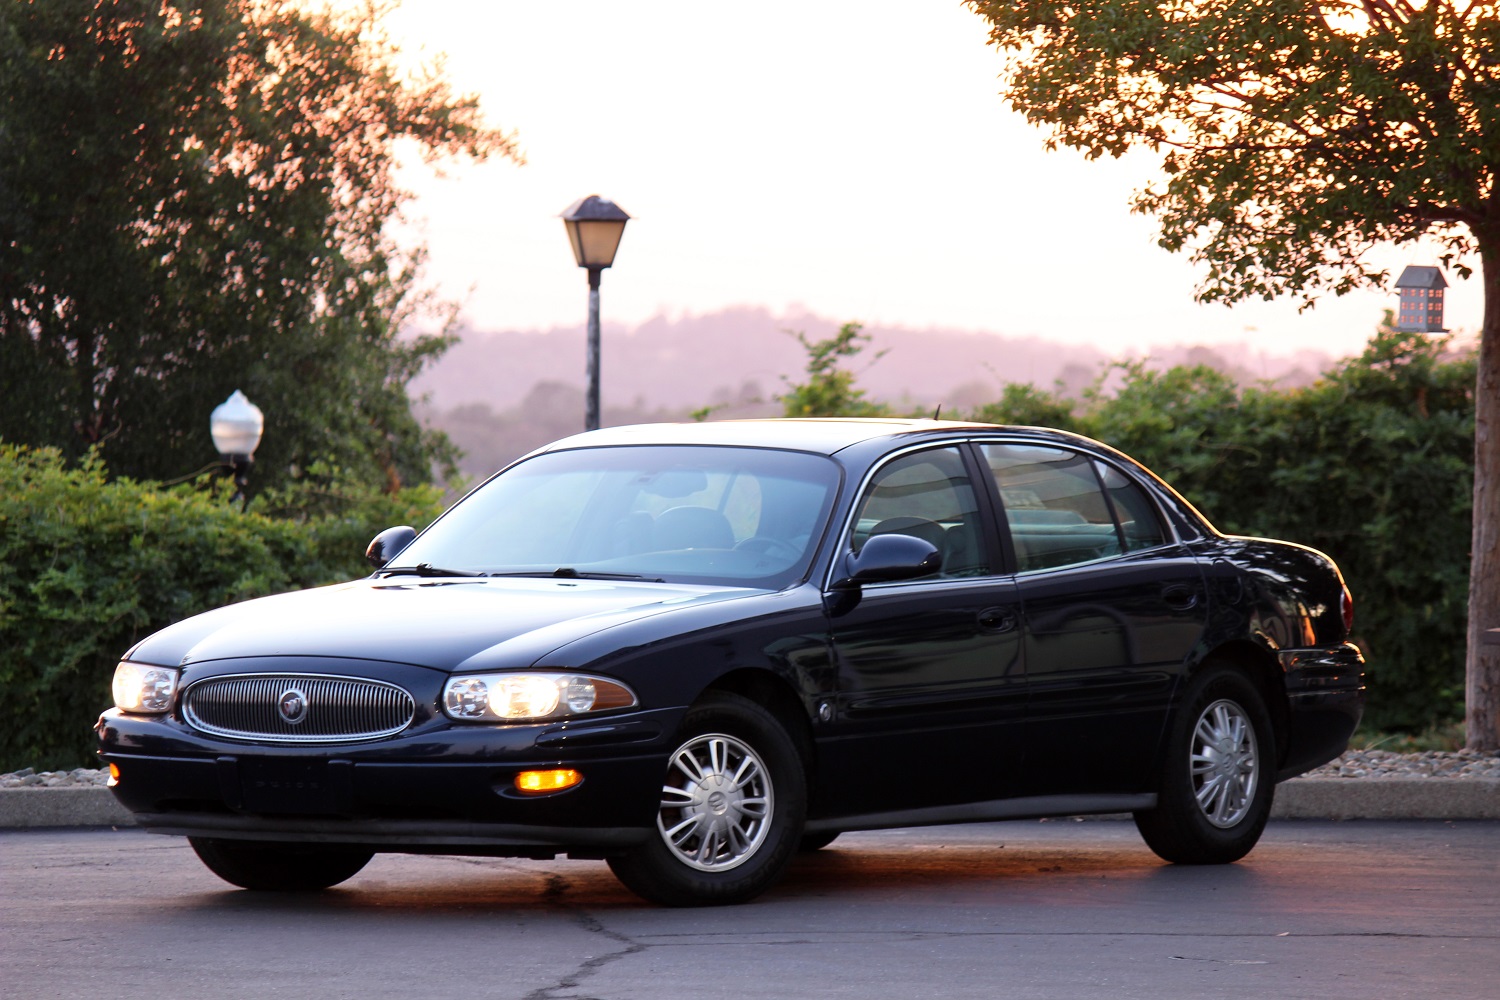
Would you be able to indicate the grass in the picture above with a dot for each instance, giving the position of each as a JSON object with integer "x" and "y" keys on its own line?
{"x": 1438, "y": 736}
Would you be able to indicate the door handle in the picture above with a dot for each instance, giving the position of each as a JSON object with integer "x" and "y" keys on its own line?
{"x": 997, "y": 620}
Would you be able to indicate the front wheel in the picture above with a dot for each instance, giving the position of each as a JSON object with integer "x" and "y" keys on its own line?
{"x": 276, "y": 867}
{"x": 730, "y": 813}
{"x": 1217, "y": 783}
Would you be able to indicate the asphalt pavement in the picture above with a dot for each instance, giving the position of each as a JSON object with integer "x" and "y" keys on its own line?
{"x": 1363, "y": 910}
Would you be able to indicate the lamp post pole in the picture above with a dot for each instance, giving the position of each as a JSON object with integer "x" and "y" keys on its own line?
{"x": 595, "y": 226}
{"x": 591, "y": 406}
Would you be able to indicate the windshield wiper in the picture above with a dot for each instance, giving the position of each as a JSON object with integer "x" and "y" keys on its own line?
{"x": 569, "y": 573}
{"x": 425, "y": 569}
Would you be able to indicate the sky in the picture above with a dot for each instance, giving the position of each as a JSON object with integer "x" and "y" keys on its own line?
{"x": 853, "y": 158}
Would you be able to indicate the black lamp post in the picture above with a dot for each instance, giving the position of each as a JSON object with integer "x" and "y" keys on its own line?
{"x": 595, "y": 226}
{"x": 236, "y": 425}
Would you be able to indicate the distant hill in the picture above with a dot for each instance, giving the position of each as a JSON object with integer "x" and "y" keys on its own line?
{"x": 500, "y": 394}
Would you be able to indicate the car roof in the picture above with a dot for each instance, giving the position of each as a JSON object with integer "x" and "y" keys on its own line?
{"x": 831, "y": 435}
{"x": 821, "y": 435}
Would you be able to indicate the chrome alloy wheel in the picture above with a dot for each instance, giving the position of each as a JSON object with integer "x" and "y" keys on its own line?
{"x": 1224, "y": 763}
{"x": 716, "y": 804}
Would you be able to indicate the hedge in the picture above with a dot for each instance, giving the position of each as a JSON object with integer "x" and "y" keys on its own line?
{"x": 1373, "y": 465}
{"x": 88, "y": 566}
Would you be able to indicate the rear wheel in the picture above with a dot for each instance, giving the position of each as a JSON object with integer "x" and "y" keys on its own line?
{"x": 730, "y": 814}
{"x": 278, "y": 867}
{"x": 1217, "y": 783}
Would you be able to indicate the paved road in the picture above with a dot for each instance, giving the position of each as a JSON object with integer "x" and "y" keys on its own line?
{"x": 1364, "y": 910}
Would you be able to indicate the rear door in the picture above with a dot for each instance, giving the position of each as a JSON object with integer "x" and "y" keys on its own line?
{"x": 1113, "y": 607}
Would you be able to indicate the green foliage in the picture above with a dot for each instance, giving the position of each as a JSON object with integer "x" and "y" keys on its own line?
{"x": 1293, "y": 135}
{"x": 829, "y": 390}
{"x": 195, "y": 197}
{"x": 1442, "y": 737}
{"x": 89, "y": 566}
{"x": 1023, "y": 404}
{"x": 1373, "y": 465}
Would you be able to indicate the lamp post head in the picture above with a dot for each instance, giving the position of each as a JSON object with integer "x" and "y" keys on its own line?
{"x": 236, "y": 425}
{"x": 595, "y": 226}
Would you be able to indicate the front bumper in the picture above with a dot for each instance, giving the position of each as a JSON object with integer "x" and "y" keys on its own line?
{"x": 449, "y": 789}
{"x": 1325, "y": 699}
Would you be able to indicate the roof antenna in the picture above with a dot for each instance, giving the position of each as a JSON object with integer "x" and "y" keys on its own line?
{"x": 938, "y": 413}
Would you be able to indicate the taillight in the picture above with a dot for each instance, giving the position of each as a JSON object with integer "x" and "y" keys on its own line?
{"x": 1346, "y": 608}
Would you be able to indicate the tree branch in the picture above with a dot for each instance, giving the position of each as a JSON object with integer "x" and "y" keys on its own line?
{"x": 1381, "y": 14}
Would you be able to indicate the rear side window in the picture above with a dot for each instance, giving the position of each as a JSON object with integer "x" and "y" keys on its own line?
{"x": 1064, "y": 508}
{"x": 1140, "y": 525}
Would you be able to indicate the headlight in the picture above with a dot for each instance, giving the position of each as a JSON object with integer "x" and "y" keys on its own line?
{"x": 144, "y": 689}
{"x": 527, "y": 697}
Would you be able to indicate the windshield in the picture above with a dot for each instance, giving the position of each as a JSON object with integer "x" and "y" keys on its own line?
{"x": 735, "y": 516}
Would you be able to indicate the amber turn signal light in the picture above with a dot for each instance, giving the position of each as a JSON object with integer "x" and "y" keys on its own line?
{"x": 541, "y": 782}
{"x": 114, "y": 775}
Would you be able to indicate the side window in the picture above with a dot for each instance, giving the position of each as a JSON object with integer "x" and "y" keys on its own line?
{"x": 1055, "y": 505}
{"x": 927, "y": 495}
{"x": 1140, "y": 525}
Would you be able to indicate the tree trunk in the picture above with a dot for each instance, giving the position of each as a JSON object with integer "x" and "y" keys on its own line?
{"x": 1482, "y": 689}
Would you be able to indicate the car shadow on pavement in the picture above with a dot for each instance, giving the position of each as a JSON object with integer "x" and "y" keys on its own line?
{"x": 463, "y": 885}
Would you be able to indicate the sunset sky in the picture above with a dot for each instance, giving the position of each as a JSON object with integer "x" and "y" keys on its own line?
{"x": 852, "y": 158}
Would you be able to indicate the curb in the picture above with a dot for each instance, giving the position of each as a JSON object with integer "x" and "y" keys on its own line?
{"x": 1300, "y": 798}
{"x": 1387, "y": 798}
{"x": 38, "y": 807}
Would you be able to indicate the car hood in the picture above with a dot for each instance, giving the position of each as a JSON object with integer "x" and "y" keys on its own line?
{"x": 432, "y": 623}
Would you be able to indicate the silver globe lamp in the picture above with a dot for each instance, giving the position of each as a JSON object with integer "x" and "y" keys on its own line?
{"x": 236, "y": 425}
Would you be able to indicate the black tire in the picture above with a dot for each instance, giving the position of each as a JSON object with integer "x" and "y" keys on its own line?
{"x": 278, "y": 867}
{"x": 1218, "y": 778}
{"x": 816, "y": 841}
{"x": 730, "y": 820}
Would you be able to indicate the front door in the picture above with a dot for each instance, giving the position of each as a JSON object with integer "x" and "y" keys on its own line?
{"x": 931, "y": 690}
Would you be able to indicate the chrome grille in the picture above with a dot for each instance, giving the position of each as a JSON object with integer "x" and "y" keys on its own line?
{"x": 334, "y": 709}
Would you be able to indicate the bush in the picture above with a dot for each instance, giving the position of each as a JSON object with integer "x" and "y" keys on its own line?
{"x": 1373, "y": 465}
{"x": 89, "y": 566}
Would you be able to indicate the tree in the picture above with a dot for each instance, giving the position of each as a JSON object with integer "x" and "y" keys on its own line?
{"x": 1297, "y": 464}
{"x": 829, "y": 390}
{"x": 1023, "y": 403}
{"x": 195, "y": 198}
{"x": 1295, "y": 136}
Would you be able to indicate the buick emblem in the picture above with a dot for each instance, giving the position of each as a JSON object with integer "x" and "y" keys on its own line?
{"x": 292, "y": 706}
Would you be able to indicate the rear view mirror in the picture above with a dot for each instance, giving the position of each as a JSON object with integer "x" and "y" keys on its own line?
{"x": 886, "y": 558}
{"x": 674, "y": 484}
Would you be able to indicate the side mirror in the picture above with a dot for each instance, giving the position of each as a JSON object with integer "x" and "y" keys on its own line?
{"x": 388, "y": 544}
{"x": 885, "y": 558}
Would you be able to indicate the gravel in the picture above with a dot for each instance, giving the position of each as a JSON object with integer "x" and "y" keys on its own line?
{"x": 1368, "y": 764}
{"x": 1380, "y": 764}
{"x": 80, "y": 777}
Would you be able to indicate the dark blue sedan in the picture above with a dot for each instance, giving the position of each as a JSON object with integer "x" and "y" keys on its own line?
{"x": 693, "y": 650}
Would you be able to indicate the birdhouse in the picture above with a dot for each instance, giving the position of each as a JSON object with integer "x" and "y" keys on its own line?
{"x": 1421, "y": 299}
